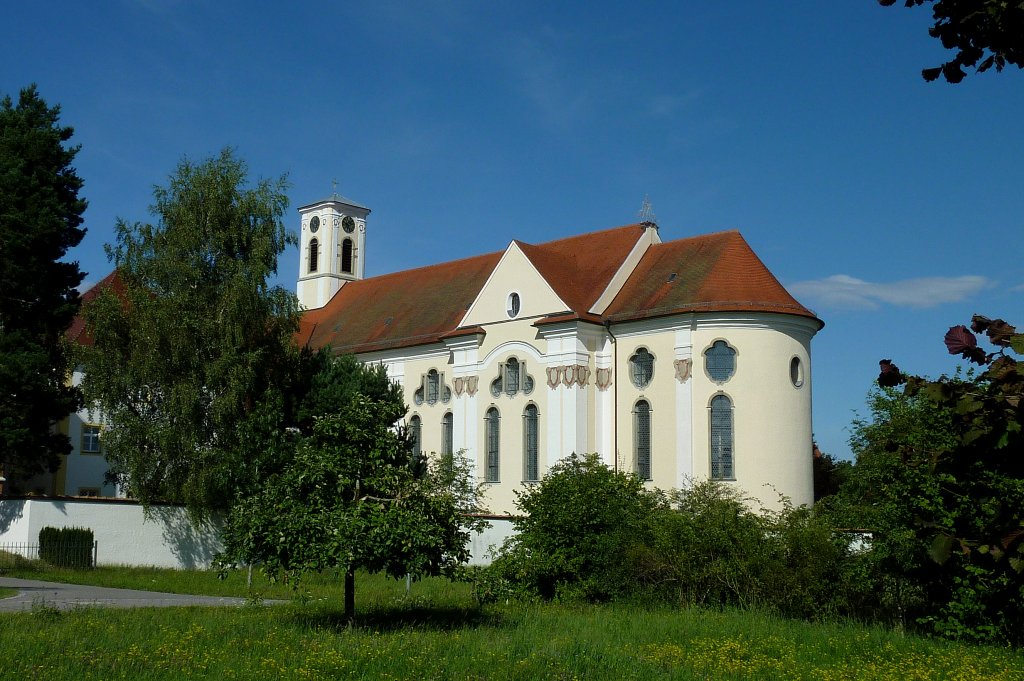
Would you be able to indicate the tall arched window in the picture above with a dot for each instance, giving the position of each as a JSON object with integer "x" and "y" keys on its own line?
{"x": 512, "y": 376}
{"x": 447, "y": 433}
{"x": 531, "y": 441}
{"x": 493, "y": 432}
{"x": 346, "y": 256}
{"x": 433, "y": 386}
{"x": 416, "y": 435}
{"x": 314, "y": 255}
{"x": 642, "y": 438}
{"x": 721, "y": 439}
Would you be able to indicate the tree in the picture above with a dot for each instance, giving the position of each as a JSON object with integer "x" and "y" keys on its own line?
{"x": 191, "y": 361}
{"x": 354, "y": 497}
{"x": 957, "y": 479}
{"x": 989, "y": 31}
{"x": 40, "y": 219}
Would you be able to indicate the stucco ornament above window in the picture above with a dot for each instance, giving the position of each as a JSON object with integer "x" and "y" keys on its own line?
{"x": 683, "y": 369}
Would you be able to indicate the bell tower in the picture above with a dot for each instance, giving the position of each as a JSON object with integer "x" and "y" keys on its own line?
{"x": 331, "y": 246}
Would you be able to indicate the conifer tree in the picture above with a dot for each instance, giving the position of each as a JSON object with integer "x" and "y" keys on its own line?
{"x": 40, "y": 219}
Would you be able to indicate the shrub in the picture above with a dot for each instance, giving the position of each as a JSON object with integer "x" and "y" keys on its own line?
{"x": 580, "y": 522}
{"x": 66, "y": 546}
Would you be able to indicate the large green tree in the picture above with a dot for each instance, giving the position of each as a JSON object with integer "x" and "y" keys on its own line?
{"x": 193, "y": 356}
{"x": 940, "y": 477}
{"x": 353, "y": 496}
{"x": 984, "y": 33}
{"x": 40, "y": 219}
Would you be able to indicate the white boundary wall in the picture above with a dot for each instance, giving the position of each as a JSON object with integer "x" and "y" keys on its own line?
{"x": 125, "y": 536}
{"x": 166, "y": 538}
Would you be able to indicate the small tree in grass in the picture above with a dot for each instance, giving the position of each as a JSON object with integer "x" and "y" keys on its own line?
{"x": 353, "y": 497}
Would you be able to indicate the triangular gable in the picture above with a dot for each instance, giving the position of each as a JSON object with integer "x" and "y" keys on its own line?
{"x": 580, "y": 268}
{"x": 514, "y": 273}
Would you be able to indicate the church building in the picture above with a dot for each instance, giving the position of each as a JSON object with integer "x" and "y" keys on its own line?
{"x": 679, "y": 361}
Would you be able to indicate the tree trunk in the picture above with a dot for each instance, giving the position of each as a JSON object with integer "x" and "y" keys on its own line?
{"x": 350, "y": 594}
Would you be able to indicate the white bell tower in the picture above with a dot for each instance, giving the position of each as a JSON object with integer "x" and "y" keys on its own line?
{"x": 331, "y": 247}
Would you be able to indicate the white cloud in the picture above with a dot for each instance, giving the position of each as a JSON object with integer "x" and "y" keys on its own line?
{"x": 844, "y": 291}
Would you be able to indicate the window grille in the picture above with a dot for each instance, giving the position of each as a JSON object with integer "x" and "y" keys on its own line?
{"x": 512, "y": 308}
{"x": 721, "y": 438}
{"x": 446, "y": 394}
{"x": 346, "y": 256}
{"x": 314, "y": 255}
{"x": 417, "y": 396}
{"x": 528, "y": 384}
{"x": 720, "y": 361}
{"x": 496, "y": 387}
{"x": 512, "y": 376}
{"x": 493, "y": 445}
{"x": 641, "y": 368}
{"x": 433, "y": 386}
{"x": 416, "y": 434}
{"x": 447, "y": 433}
{"x": 530, "y": 443}
{"x": 642, "y": 438}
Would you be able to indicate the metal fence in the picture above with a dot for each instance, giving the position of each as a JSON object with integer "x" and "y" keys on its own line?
{"x": 60, "y": 553}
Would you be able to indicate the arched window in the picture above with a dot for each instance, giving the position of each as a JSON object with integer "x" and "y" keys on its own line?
{"x": 641, "y": 368}
{"x": 346, "y": 256}
{"x": 433, "y": 386}
{"x": 314, "y": 255}
{"x": 721, "y": 439}
{"x": 720, "y": 361}
{"x": 512, "y": 379}
{"x": 642, "y": 438}
{"x": 447, "y": 433}
{"x": 493, "y": 433}
{"x": 531, "y": 441}
{"x": 416, "y": 435}
{"x": 512, "y": 376}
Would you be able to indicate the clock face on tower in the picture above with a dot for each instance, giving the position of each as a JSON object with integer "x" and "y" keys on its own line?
{"x": 314, "y": 224}
{"x": 348, "y": 224}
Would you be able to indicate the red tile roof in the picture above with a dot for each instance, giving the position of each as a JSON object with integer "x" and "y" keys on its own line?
{"x": 580, "y": 267}
{"x": 401, "y": 309}
{"x": 711, "y": 273}
{"x": 76, "y": 332}
{"x": 425, "y": 305}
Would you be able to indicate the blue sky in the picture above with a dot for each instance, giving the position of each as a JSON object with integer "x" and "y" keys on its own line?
{"x": 890, "y": 206}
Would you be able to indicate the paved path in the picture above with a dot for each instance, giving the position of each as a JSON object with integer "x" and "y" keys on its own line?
{"x": 67, "y": 596}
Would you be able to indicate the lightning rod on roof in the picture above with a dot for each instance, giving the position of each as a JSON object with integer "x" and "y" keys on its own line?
{"x": 334, "y": 188}
{"x": 646, "y": 214}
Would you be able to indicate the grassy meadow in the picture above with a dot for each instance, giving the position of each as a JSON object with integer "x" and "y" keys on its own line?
{"x": 437, "y": 631}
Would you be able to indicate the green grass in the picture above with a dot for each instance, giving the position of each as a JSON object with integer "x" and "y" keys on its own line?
{"x": 438, "y": 632}
{"x": 4, "y": 593}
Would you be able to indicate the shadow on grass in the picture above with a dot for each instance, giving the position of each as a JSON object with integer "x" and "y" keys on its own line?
{"x": 400, "y": 616}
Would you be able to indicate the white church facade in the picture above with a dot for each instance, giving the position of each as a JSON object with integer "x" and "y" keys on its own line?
{"x": 678, "y": 361}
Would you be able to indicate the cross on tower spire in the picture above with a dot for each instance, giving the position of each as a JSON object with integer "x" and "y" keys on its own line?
{"x": 646, "y": 214}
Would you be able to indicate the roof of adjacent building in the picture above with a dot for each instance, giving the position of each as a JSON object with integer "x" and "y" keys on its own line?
{"x": 711, "y": 273}
{"x": 76, "y": 333}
